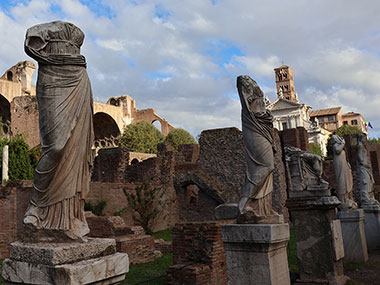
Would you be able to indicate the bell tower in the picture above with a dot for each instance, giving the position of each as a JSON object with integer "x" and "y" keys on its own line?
{"x": 285, "y": 83}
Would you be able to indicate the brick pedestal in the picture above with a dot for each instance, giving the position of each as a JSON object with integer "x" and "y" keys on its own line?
{"x": 198, "y": 255}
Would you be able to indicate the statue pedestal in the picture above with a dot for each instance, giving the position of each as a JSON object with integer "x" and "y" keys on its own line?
{"x": 256, "y": 253}
{"x": 95, "y": 261}
{"x": 372, "y": 225}
{"x": 318, "y": 239}
{"x": 354, "y": 237}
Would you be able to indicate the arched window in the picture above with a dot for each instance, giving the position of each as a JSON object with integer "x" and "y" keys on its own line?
{"x": 10, "y": 75}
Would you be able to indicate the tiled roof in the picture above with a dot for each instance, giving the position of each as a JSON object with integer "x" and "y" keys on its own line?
{"x": 325, "y": 112}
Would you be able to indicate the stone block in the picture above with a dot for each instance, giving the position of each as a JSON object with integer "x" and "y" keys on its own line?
{"x": 337, "y": 240}
{"x": 226, "y": 211}
{"x": 372, "y": 227}
{"x": 60, "y": 253}
{"x": 353, "y": 233}
{"x": 256, "y": 254}
{"x": 109, "y": 269}
{"x": 140, "y": 248}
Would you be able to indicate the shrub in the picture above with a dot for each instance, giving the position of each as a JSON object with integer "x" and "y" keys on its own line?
{"x": 141, "y": 137}
{"x": 177, "y": 137}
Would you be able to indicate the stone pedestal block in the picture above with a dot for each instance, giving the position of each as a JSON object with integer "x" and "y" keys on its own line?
{"x": 256, "y": 253}
{"x": 372, "y": 226}
{"x": 93, "y": 262}
{"x": 319, "y": 240}
{"x": 354, "y": 238}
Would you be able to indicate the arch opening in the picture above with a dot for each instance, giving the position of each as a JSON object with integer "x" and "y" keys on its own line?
{"x": 10, "y": 76}
{"x": 157, "y": 125}
{"x": 105, "y": 130}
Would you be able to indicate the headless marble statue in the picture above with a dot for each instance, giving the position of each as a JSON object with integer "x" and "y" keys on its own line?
{"x": 62, "y": 176}
{"x": 343, "y": 174}
{"x": 255, "y": 205}
{"x": 365, "y": 175}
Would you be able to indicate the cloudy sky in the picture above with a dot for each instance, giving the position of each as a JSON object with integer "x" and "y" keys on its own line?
{"x": 182, "y": 57}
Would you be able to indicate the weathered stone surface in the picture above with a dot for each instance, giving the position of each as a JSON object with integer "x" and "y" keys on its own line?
{"x": 255, "y": 233}
{"x": 256, "y": 254}
{"x": 319, "y": 253}
{"x": 354, "y": 237}
{"x": 372, "y": 227}
{"x": 104, "y": 270}
{"x": 61, "y": 253}
{"x": 226, "y": 211}
{"x": 140, "y": 248}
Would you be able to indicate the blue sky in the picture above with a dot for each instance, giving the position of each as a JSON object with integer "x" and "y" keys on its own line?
{"x": 182, "y": 57}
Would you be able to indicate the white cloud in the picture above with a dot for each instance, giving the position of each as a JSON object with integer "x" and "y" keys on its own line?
{"x": 331, "y": 46}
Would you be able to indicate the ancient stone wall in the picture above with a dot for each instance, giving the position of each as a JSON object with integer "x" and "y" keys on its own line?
{"x": 110, "y": 164}
{"x": 296, "y": 137}
{"x": 116, "y": 201}
{"x": 14, "y": 200}
{"x": 24, "y": 119}
{"x": 222, "y": 158}
{"x": 198, "y": 255}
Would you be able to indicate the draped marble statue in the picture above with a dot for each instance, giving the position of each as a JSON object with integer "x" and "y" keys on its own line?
{"x": 365, "y": 174}
{"x": 343, "y": 174}
{"x": 255, "y": 204}
{"x": 65, "y": 104}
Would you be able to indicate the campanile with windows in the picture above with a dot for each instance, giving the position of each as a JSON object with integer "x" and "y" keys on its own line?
{"x": 285, "y": 83}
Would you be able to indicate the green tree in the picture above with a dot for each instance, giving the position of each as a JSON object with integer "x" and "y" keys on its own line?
{"x": 315, "y": 148}
{"x": 179, "y": 136}
{"x": 147, "y": 203}
{"x": 141, "y": 137}
{"x": 347, "y": 130}
{"x": 374, "y": 140}
{"x": 20, "y": 166}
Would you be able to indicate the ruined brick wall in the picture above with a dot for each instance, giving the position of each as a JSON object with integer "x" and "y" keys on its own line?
{"x": 8, "y": 219}
{"x": 296, "y": 137}
{"x": 24, "y": 119}
{"x": 110, "y": 164}
{"x": 116, "y": 201}
{"x": 199, "y": 247}
{"x": 279, "y": 195}
{"x": 14, "y": 200}
{"x": 222, "y": 158}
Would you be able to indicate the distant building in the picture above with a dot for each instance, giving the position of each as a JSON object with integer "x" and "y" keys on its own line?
{"x": 289, "y": 113}
{"x": 330, "y": 119}
{"x": 355, "y": 119}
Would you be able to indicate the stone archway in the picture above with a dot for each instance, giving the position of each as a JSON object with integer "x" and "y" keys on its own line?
{"x": 197, "y": 196}
{"x": 106, "y": 131}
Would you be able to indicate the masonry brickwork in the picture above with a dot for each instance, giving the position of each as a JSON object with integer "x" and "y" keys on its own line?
{"x": 198, "y": 255}
{"x": 24, "y": 117}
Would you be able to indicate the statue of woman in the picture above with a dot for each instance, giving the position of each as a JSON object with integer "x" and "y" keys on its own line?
{"x": 365, "y": 174}
{"x": 65, "y": 104}
{"x": 256, "y": 201}
{"x": 343, "y": 174}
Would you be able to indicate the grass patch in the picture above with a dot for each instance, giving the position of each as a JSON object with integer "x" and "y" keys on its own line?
{"x": 139, "y": 273}
{"x": 292, "y": 253}
{"x": 166, "y": 235}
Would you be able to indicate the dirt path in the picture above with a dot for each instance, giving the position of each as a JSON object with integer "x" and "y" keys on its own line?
{"x": 365, "y": 273}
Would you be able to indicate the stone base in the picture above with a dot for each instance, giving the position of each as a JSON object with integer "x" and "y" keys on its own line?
{"x": 95, "y": 262}
{"x": 226, "y": 211}
{"x": 256, "y": 254}
{"x": 372, "y": 226}
{"x": 354, "y": 238}
{"x": 319, "y": 241}
{"x": 339, "y": 280}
